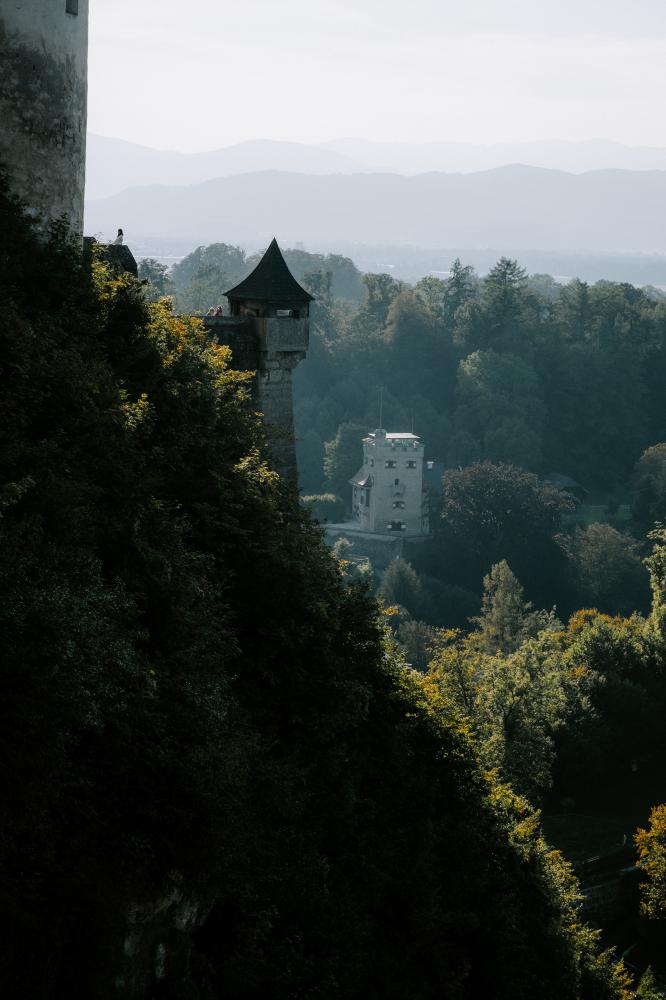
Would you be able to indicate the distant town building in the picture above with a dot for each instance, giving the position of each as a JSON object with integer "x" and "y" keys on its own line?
{"x": 388, "y": 494}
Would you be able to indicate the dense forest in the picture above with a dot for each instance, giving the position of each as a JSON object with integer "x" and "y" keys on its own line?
{"x": 220, "y": 776}
{"x": 509, "y": 368}
{"x": 516, "y": 384}
{"x": 541, "y": 406}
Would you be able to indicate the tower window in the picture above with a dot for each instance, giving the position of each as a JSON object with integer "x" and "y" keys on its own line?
{"x": 411, "y": 465}
{"x": 390, "y": 464}
{"x": 72, "y": 6}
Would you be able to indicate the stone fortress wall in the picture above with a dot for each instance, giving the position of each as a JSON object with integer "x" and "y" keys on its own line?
{"x": 43, "y": 104}
{"x": 271, "y": 347}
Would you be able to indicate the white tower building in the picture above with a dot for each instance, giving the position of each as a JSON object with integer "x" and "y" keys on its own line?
{"x": 43, "y": 104}
{"x": 387, "y": 491}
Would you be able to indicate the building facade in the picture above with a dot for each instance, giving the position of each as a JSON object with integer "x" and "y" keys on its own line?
{"x": 268, "y": 331}
{"x": 43, "y": 105}
{"x": 387, "y": 491}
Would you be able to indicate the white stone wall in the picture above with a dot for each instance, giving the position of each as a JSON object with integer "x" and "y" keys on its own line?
{"x": 43, "y": 105}
{"x": 395, "y": 463}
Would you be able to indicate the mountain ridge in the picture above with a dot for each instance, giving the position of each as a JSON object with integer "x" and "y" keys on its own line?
{"x": 515, "y": 206}
{"x": 116, "y": 164}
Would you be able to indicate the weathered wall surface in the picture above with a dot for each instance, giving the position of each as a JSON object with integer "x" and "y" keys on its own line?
{"x": 275, "y": 400}
{"x": 283, "y": 344}
{"x": 43, "y": 94}
{"x": 272, "y": 348}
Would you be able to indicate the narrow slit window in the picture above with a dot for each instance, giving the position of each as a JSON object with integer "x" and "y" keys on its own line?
{"x": 72, "y": 6}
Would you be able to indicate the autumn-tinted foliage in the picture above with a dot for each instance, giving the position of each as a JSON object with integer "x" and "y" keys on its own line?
{"x": 200, "y": 726}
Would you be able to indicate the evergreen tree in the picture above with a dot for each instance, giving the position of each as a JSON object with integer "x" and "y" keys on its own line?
{"x": 156, "y": 276}
{"x": 343, "y": 456}
{"x": 400, "y": 585}
{"x": 504, "y": 611}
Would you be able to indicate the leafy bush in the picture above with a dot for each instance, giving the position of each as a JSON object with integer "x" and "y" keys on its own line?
{"x": 325, "y": 506}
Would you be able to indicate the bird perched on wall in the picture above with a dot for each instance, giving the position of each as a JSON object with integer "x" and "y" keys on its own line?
{"x": 119, "y": 239}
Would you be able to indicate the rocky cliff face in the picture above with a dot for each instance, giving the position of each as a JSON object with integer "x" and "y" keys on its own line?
{"x": 144, "y": 952}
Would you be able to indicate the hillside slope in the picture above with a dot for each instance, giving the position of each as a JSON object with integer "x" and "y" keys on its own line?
{"x": 219, "y": 780}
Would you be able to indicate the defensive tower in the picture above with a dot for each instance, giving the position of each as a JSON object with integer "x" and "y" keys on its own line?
{"x": 43, "y": 104}
{"x": 268, "y": 332}
{"x": 387, "y": 491}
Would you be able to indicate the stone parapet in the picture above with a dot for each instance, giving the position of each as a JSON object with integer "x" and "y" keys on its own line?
{"x": 280, "y": 335}
{"x": 239, "y": 334}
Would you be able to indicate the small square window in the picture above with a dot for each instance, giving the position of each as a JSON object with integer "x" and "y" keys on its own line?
{"x": 396, "y": 482}
{"x": 72, "y": 6}
{"x": 390, "y": 464}
{"x": 411, "y": 464}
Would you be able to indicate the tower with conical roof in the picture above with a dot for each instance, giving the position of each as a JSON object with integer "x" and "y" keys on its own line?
{"x": 268, "y": 331}
{"x": 270, "y": 291}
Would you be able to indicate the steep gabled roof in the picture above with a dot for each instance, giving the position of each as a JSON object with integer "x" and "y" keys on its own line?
{"x": 271, "y": 281}
{"x": 361, "y": 478}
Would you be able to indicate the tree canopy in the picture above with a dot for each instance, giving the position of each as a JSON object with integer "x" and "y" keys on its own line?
{"x": 204, "y": 726}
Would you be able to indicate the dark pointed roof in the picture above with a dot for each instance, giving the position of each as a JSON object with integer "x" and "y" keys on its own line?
{"x": 271, "y": 281}
{"x": 361, "y": 478}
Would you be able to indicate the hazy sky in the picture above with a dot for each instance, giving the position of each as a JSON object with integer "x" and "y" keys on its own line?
{"x": 196, "y": 74}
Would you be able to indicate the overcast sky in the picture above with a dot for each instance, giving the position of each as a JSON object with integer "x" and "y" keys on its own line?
{"x": 197, "y": 74}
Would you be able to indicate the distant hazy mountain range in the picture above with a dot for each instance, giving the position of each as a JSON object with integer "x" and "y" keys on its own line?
{"x": 114, "y": 164}
{"x": 509, "y": 208}
{"x": 575, "y": 157}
